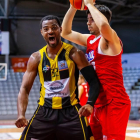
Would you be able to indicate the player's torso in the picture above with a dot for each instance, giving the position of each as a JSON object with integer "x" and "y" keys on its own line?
{"x": 84, "y": 96}
{"x": 109, "y": 71}
{"x": 58, "y": 79}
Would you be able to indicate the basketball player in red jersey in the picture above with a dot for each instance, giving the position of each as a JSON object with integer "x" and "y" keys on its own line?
{"x": 82, "y": 90}
{"x": 104, "y": 50}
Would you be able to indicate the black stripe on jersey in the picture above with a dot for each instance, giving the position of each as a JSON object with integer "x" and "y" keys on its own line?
{"x": 66, "y": 102}
{"x": 48, "y": 102}
{"x": 64, "y": 72}
{"x": 76, "y": 81}
{"x": 46, "y": 68}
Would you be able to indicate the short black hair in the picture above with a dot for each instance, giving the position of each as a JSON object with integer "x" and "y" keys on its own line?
{"x": 50, "y": 17}
{"x": 104, "y": 10}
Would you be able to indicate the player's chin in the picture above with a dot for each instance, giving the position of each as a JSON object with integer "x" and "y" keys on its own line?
{"x": 92, "y": 32}
{"x": 53, "y": 45}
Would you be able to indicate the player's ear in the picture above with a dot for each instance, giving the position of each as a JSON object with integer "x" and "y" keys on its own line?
{"x": 60, "y": 29}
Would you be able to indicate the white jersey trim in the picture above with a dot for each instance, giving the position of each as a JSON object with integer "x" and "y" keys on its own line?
{"x": 100, "y": 51}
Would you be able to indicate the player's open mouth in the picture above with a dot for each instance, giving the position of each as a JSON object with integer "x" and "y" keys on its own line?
{"x": 52, "y": 40}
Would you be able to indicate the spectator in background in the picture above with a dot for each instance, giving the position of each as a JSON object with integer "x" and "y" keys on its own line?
{"x": 82, "y": 90}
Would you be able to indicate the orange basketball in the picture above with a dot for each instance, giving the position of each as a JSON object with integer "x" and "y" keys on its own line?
{"x": 78, "y": 4}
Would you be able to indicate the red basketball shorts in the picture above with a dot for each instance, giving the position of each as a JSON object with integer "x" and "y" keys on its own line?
{"x": 109, "y": 122}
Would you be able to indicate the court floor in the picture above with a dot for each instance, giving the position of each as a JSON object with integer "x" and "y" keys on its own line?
{"x": 8, "y": 130}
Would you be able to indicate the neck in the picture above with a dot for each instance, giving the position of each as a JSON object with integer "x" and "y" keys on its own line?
{"x": 54, "y": 50}
{"x": 97, "y": 35}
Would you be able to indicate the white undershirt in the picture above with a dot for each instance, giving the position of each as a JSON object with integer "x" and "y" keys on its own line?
{"x": 100, "y": 51}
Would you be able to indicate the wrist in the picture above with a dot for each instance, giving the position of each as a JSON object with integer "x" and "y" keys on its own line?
{"x": 72, "y": 7}
{"x": 90, "y": 4}
{"x": 90, "y": 103}
{"x": 21, "y": 115}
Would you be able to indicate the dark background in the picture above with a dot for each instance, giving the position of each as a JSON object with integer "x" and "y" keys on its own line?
{"x": 23, "y": 17}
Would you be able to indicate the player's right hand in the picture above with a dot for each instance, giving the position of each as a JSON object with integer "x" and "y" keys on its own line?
{"x": 85, "y": 110}
{"x": 21, "y": 122}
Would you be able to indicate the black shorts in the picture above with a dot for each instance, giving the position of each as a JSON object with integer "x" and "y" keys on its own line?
{"x": 57, "y": 124}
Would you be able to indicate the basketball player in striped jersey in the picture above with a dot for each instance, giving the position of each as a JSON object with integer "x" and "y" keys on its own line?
{"x": 104, "y": 50}
{"x": 57, "y": 116}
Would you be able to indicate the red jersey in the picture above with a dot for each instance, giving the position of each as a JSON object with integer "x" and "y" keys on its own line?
{"x": 109, "y": 72}
{"x": 84, "y": 96}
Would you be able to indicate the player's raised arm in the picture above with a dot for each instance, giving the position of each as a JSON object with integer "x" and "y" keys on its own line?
{"x": 90, "y": 76}
{"x": 67, "y": 31}
{"x": 27, "y": 82}
{"x": 103, "y": 24}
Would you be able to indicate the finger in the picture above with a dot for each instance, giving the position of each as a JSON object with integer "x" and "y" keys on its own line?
{"x": 20, "y": 123}
{"x": 82, "y": 109}
{"x": 86, "y": 112}
{"x": 80, "y": 112}
{"x": 24, "y": 123}
{"x": 17, "y": 123}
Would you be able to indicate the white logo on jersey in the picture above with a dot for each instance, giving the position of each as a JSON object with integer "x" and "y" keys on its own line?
{"x": 92, "y": 41}
{"x": 62, "y": 65}
{"x": 90, "y": 55}
{"x": 58, "y": 88}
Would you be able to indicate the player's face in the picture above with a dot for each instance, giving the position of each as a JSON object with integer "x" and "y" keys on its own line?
{"x": 51, "y": 32}
{"x": 94, "y": 30}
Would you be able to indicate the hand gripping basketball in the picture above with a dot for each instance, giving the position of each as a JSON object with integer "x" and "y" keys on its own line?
{"x": 80, "y": 4}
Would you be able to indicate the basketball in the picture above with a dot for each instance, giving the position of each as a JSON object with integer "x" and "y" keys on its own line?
{"x": 78, "y": 4}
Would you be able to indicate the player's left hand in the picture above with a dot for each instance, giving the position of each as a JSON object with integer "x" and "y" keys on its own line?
{"x": 89, "y": 1}
{"x": 85, "y": 110}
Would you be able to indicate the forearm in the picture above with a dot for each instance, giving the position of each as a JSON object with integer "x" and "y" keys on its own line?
{"x": 94, "y": 84}
{"x": 67, "y": 21}
{"x": 22, "y": 102}
{"x": 99, "y": 19}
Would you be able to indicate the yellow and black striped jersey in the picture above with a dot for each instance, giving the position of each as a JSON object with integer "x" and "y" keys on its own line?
{"x": 58, "y": 78}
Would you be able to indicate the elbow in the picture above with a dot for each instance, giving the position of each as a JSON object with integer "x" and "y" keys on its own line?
{"x": 64, "y": 34}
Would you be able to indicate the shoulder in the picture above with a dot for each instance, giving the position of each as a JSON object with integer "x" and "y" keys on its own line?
{"x": 67, "y": 46}
{"x": 74, "y": 52}
{"x": 34, "y": 59}
{"x": 36, "y": 56}
{"x": 80, "y": 87}
{"x": 42, "y": 49}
